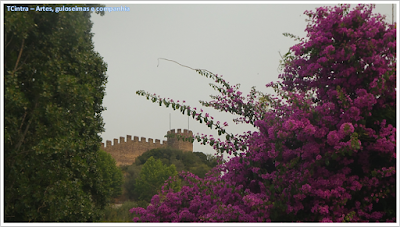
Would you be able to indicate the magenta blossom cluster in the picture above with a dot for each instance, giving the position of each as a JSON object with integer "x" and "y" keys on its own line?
{"x": 325, "y": 149}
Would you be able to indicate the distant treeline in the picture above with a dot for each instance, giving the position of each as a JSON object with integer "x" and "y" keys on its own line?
{"x": 197, "y": 163}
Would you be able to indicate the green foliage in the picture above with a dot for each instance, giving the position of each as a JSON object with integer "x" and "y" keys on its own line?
{"x": 133, "y": 172}
{"x": 112, "y": 175}
{"x": 152, "y": 176}
{"x": 54, "y": 85}
{"x": 119, "y": 214}
{"x": 197, "y": 163}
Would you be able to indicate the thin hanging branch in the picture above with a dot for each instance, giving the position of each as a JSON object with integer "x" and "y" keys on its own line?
{"x": 19, "y": 55}
{"x": 174, "y": 62}
{"x": 197, "y": 70}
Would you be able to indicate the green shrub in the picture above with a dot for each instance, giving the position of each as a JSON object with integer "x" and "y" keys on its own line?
{"x": 119, "y": 214}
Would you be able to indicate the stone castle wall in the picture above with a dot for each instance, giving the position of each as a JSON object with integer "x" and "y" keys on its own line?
{"x": 125, "y": 152}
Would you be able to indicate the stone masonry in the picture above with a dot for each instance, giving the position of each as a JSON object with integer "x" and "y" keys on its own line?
{"x": 125, "y": 152}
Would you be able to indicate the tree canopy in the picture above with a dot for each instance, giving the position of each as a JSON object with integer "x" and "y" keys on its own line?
{"x": 111, "y": 174}
{"x": 54, "y": 85}
{"x": 324, "y": 149}
{"x": 152, "y": 176}
{"x": 197, "y": 163}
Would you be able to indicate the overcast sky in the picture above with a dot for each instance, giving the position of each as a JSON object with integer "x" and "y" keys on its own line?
{"x": 239, "y": 41}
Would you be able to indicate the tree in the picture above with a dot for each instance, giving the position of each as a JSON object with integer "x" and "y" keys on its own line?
{"x": 325, "y": 150}
{"x": 152, "y": 176}
{"x": 54, "y": 86}
{"x": 111, "y": 174}
{"x": 212, "y": 160}
{"x": 195, "y": 162}
{"x": 131, "y": 173}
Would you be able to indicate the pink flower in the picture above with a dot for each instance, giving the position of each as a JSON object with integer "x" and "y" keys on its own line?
{"x": 309, "y": 129}
{"x": 290, "y": 125}
{"x": 346, "y": 128}
{"x": 324, "y": 210}
{"x": 328, "y": 50}
{"x": 333, "y": 138}
{"x": 326, "y": 219}
{"x": 306, "y": 188}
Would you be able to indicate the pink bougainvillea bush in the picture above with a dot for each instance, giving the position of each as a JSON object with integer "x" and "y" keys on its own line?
{"x": 325, "y": 148}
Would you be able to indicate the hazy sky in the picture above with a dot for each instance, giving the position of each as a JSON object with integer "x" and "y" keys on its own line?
{"x": 239, "y": 41}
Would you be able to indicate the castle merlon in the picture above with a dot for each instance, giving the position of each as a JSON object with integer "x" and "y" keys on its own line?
{"x": 179, "y": 131}
{"x": 129, "y": 139}
{"x": 126, "y": 151}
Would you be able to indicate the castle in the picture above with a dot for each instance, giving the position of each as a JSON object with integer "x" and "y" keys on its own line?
{"x": 125, "y": 152}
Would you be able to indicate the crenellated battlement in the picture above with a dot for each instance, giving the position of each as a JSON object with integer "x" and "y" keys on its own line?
{"x": 179, "y": 131}
{"x": 126, "y": 151}
{"x": 135, "y": 139}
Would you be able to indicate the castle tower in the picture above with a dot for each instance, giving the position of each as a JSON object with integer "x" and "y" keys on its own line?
{"x": 125, "y": 152}
{"x": 174, "y": 142}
